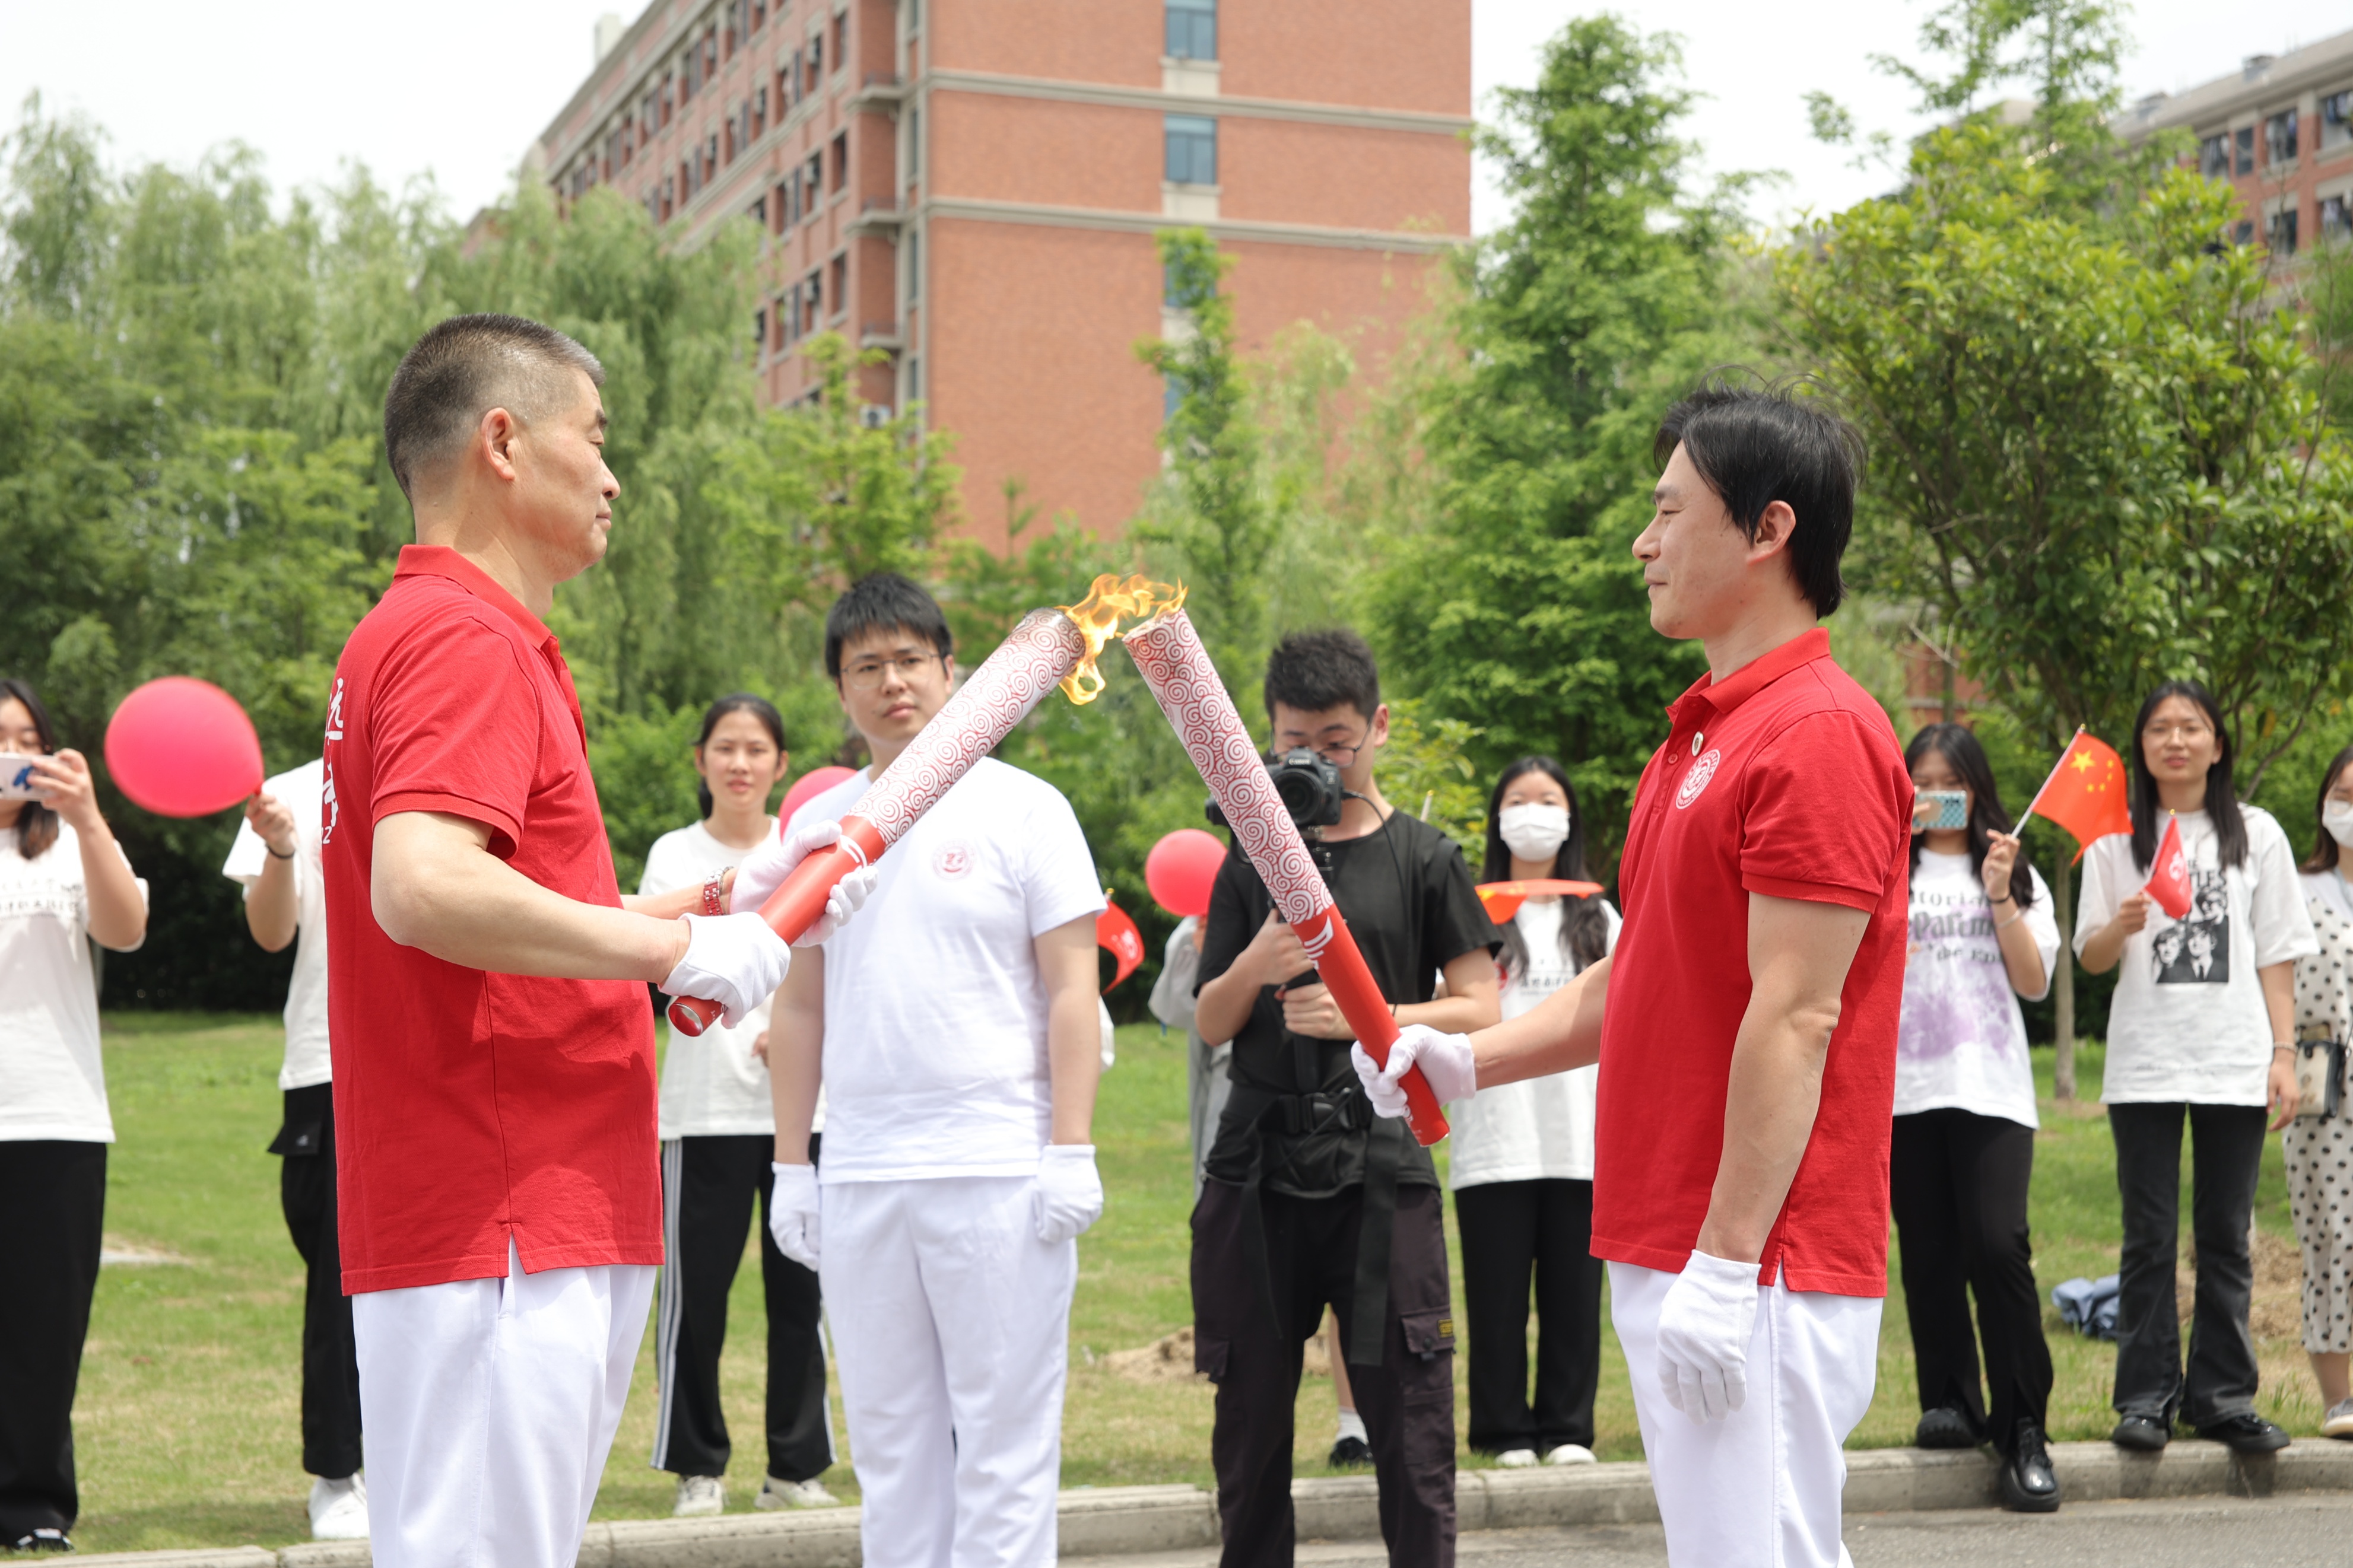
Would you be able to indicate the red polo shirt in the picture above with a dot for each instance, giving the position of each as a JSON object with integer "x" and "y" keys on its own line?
{"x": 472, "y": 1107}
{"x": 1784, "y": 779}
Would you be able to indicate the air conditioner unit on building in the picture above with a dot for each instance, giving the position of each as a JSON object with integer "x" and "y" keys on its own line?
{"x": 874, "y": 415}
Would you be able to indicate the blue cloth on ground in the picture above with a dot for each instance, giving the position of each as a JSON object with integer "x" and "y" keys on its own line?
{"x": 2088, "y": 1305}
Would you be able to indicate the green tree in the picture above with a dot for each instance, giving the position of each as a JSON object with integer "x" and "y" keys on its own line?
{"x": 1508, "y": 599}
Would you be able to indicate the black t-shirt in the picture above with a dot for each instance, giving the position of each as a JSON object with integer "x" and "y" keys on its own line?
{"x": 1409, "y": 902}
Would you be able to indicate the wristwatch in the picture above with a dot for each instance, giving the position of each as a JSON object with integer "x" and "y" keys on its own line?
{"x": 712, "y": 902}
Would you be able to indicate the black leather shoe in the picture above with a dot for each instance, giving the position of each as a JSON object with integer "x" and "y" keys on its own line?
{"x": 2246, "y": 1434}
{"x": 2145, "y": 1434}
{"x": 1945, "y": 1428}
{"x": 1350, "y": 1451}
{"x": 2029, "y": 1485}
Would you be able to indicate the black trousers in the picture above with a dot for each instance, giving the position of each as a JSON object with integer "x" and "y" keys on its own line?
{"x": 52, "y": 1210}
{"x": 1406, "y": 1402}
{"x": 330, "y": 1367}
{"x": 2227, "y": 1148}
{"x": 708, "y": 1187}
{"x": 1957, "y": 1184}
{"x": 1511, "y": 1230}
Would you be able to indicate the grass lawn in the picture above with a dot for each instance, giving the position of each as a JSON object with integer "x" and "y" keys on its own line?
{"x": 186, "y": 1425}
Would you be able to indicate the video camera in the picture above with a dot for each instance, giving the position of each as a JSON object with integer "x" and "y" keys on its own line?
{"x": 1310, "y": 787}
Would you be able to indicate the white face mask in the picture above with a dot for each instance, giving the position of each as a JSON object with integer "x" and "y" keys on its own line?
{"x": 1534, "y": 832}
{"x": 2337, "y": 817}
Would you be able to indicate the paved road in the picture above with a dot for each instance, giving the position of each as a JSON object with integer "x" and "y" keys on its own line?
{"x": 2310, "y": 1530}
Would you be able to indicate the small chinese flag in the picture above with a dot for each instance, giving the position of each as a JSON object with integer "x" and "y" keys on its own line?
{"x": 2169, "y": 881}
{"x": 1116, "y": 932}
{"x": 2086, "y": 793}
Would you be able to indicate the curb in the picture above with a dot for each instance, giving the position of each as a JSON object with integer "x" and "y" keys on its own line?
{"x": 1104, "y": 1521}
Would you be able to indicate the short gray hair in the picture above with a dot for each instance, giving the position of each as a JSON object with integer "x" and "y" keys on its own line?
{"x": 461, "y": 369}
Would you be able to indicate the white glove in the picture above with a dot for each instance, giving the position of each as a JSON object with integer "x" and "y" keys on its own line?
{"x": 1070, "y": 1193}
{"x": 1444, "y": 1059}
{"x": 1704, "y": 1325}
{"x": 791, "y": 1212}
{"x": 735, "y": 960}
{"x": 765, "y": 870}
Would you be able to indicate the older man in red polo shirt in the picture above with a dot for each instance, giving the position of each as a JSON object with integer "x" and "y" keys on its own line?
{"x": 500, "y": 1195}
{"x": 1745, "y": 1025}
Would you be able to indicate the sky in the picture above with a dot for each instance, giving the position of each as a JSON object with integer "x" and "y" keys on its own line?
{"x": 455, "y": 89}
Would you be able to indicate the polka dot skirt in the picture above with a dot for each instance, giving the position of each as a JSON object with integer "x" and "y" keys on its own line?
{"x": 2320, "y": 1153}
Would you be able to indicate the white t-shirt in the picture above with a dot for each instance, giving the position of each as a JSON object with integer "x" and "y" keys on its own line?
{"x": 2188, "y": 1022}
{"x": 1542, "y": 1128}
{"x": 52, "y": 1079}
{"x": 711, "y": 1085}
{"x": 307, "y": 1061}
{"x": 935, "y": 1011}
{"x": 1962, "y": 1043}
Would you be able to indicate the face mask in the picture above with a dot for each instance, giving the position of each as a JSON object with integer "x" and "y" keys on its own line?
{"x": 1534, "y": 832}
{"x": 2337, "y": 817}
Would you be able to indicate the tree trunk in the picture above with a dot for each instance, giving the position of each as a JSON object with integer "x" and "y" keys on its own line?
{"x": 2063, "y": 981}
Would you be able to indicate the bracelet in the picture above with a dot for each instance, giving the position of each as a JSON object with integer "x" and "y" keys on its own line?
{"x": 2277, "y": 1047}
{"x": 2005, "y": 898}
{"x": 711, "y": 904}
{"x": 274, "y": 855}
{"x": 2005, "y": 925}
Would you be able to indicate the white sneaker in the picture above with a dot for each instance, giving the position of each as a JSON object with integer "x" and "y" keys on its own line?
{"x": 339, "y": 1508}
{"x": 697, "y": 1496}
{"x": 1569, "y": 1453}
{"x": 1515, "y": 1459}
{"x": 810, "y": 1493}
{"x": 2338, "y": 1422}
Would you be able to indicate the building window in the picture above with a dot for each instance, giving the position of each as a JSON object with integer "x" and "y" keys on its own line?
{"x": 799, "y": 77}
{"x": 1192, "y": 150}
{"x": 841, "y": 284}
{"x": 759, "y": 14}
{"x": 2281, "y": 139}
{"x": 915, "y": 145}
{"x": 2242, "y": 145}
{"x": 2336, "y": 119}
{"x": 2214, "y": 156}
{"x": 2279, "y": 231}
{"x": 1192, "y": 29}
{"x": 816, "y": 61}
{"x": 760, "y": 211}
{"x": 760, "y": 110}
{"x": 914, "y": 16}
{"x": 841, "y": 162}
{"x": 1169, "y": 398}
{"x": 815, "y": 298}
{"x": 759, "y": 330}
{"x": 915, "y": 378}
{"x": 915, "y": 266}
{"x": 710, "y": 53}
{"x": 813, "y": 185}
{"x": 2336, "y": 218}
{"x": 840, "y": 40}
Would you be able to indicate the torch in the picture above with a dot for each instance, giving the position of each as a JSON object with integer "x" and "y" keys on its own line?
{"x": 1039, "y": 655}
{"x": 1177, "y": 667}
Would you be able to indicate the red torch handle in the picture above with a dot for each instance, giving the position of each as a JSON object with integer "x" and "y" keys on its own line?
{"x": 797, "y": 904}
{"x": 1342, "y": 968}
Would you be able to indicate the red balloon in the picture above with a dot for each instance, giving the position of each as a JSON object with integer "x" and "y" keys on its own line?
{"x": 1181, "y": 869}
{"x": 181, "y": 747}
{"x": 808, "y": 786}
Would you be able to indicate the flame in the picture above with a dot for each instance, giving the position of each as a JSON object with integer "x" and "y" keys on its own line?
{"x": 1098, "y": 616}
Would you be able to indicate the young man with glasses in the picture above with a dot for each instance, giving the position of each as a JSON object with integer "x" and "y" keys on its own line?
{"x": 957, "y": 1044}
{"x": 1307, "y": 1198}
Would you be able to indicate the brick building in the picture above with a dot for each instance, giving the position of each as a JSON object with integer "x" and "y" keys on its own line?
{"x": 2280, "y": 129}
{"x": 972, "y": 187}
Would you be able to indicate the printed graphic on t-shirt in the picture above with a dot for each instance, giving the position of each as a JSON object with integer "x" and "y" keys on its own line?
{"x": 1957, "y": 985}
{"x": 2197, "y": 951}
{"x": 952, "y": 860}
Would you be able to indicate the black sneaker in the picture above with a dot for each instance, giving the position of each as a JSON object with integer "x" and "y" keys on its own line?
{"x": 42, "y": 1540}
{"x": 2144, "y": 1433}
{"x": 2246, "y": 1434}
{"x": 1945, "y": 1428}
{"x": 1349, "y": 1453}
{"x": 2029, "y": 1485}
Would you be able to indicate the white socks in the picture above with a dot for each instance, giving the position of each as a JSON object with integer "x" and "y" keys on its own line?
{"x": 1353, "y": 1426}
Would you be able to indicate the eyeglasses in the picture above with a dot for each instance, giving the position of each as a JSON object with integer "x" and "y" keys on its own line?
{"x": 1338, "y": 756}
{"x": 867, "y": 677}
{"x": 2187, "y": 729}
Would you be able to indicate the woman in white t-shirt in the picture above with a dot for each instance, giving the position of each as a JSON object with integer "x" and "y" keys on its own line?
{"x": 2319, "y": 1142}
{"x": 63, "y": 884}
{"x": 718, "y": 1137}
{"x": 1962, "y": 1155}
{"x": 1522, "y": 1156}
{"x": 2201, "y": 1031}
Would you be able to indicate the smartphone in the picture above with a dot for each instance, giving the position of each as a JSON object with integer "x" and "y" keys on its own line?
{"x": 17, "y": 776}
{"x": 1941, "y": 808}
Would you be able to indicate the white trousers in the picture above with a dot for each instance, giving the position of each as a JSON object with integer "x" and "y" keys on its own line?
{"x": 487, "y": 1407}
{"x": 951, "y": 1323}
{"x": 1762, "y": 1486}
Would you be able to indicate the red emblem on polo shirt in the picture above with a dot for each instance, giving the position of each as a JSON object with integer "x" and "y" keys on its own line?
{"x": 1696, "y": 780}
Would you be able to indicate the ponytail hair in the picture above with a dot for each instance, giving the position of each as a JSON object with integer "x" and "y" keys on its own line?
{"x": 760, "y": 708}
{"x": 37, "y": 824}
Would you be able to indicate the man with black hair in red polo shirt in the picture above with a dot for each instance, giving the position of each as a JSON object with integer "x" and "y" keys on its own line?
{"x": 500, "y": 1192}
{"x": 1745, "y": 1025}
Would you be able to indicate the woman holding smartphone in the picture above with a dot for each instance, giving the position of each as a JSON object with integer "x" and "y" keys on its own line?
{"x": 1523, "y": 1155}
{"x": 63, "y": 884}
{"x": 1983, "y": 935}
{"x": 2202, "y": 1031}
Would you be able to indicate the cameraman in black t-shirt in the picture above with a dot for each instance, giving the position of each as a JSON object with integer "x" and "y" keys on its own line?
{"x": 1309, "y": 1197}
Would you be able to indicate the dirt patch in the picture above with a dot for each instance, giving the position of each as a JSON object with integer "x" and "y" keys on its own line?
{"x": 1169, "y": 1359}
{"x": 2276, "y": 1311}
